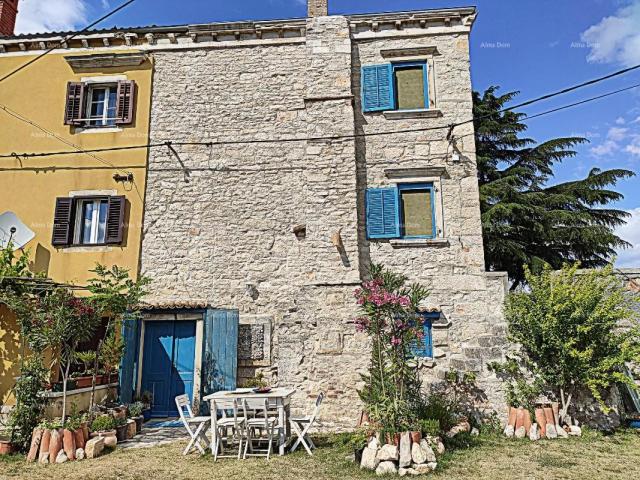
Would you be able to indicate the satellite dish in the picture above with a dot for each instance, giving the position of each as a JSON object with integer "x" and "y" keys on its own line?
{"x": 12, "y": 229}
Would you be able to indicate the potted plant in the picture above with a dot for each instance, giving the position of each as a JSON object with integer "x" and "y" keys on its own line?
{"x": 147, "y": 400}
{"x": 104, "y": 426}
{"x": 121, "y": 429}
{"x": 84, "y": 379}
{"x": 6, "y": 447}
{"x": 135, "y": 412}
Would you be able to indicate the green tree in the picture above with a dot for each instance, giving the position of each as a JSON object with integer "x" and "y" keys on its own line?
{"x": 527, "y": 221}
{"x": 568, "y": 325}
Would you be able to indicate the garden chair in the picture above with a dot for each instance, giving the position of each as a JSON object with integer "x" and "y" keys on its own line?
{"x": 227, "y": 429}
{"x": 302, "y": 425}
{"x": 261, "y": 426}
{"x": 196, "y": 426}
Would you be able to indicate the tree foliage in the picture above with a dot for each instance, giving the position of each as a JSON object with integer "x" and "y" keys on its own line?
{"x": 527, "y": 221}
{"x": 568, "y": 326}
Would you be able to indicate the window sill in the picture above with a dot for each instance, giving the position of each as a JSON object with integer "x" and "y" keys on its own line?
{"x": 405, "y": 114}
{"x": 87, "y": 249}
{"x": 419, "y": 242}
{"x": 84, "y": 130}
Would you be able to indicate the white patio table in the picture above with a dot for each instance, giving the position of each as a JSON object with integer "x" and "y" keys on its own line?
{"x": 280, "y": 398}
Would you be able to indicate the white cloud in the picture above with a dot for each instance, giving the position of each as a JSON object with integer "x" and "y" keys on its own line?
{"x": 634, "y": 147}
{"x": 620, "y": 121}
{"x": 616, "y": 39}
{"x": 617, "y": 134}
{"x": 37, "y": 16}
{"x": 612, "y": 144}
{"x": 631, "y": 233}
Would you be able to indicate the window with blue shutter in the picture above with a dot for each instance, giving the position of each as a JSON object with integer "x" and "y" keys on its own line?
{"x": 382, "y": 213}
{"x": 417, "y": 210}
{"x": 377, "y": 88}
{"x": 424, "y": 348}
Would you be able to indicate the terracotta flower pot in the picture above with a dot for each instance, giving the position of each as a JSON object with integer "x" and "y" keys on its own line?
{"x": 55, "y": 445}
{"x": 85, "y": 431}
{"x": 415, "y": 437}
{"x": 69, "y": 444}
{"x": 84, "y": 382}
{"x": 548, "y": 415}
{"x": 519, "y": 418}
{"x": 527, "y": 421}
{"x": 513, "y": 413}
{"x": 555, "y": 407}
{"x": 6, "y": 447}
{"x": 393, "y": 439}
{"x": 44, "y": 445}
{"x": 541, "y": 420}
{"x": 121, "y": 432}
{"x": 78, "y": 435}
{"x": 139, "y": 422}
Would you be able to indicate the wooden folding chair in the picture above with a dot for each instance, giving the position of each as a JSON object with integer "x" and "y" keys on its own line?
{"x": 196, "y": 426}
{"x": 260, "y": 427}
{"x": 303, "y": 432}
{"x": 226, "y": 429}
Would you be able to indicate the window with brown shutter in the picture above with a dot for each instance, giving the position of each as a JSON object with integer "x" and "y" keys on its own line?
{"x": 74, "y": 109}
{"x": 126, "y": 101}
{"x": 115, "y": 220}
{"x": 63, "y": 222}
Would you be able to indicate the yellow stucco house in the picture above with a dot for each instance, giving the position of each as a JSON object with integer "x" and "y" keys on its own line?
{"x": 83, "y": 208}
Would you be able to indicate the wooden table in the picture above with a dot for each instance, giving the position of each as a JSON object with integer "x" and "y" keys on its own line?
{"x": 280, "y": 398}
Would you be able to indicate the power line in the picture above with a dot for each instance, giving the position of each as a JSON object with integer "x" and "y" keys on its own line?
{"x": 309, "y": 139}
{"x": 67, "y": 39}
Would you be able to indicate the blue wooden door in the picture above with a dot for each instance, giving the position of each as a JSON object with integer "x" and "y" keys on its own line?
{"x": 168, "y": 364}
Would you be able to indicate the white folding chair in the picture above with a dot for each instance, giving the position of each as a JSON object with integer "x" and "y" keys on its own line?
{"x": 227, "y": 430}
{"x": 260, "y": 427}
{"x": 303, "y": 432}
{"x": 196, "y": 426}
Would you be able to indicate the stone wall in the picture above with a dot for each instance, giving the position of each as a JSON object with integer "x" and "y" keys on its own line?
{"x": 276, "y": 230}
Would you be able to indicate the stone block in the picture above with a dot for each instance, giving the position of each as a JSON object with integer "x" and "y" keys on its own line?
{"x": 369, "y": 459}
{"x": 405, "y": 449}
{"x": 418, "y": 455}
{"x": 94, "y": 447}
{"x": 388, "y": 453}
{"x": 386, "y": 468}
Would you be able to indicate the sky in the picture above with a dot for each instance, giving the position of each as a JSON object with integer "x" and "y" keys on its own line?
{"x": 531, "y": 46}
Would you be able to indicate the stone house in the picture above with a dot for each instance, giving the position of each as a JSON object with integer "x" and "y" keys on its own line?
{"x": 298, "y": 187}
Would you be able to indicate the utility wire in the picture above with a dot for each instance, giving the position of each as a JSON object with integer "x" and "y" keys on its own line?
{"x": 309, "y": 139}
{"x": 67, "y": 39}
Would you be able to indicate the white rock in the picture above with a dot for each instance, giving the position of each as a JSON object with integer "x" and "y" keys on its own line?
{"x": 373, "y": 443}
{"x": 80, "y": 454}
{"x": 562, "y": 433}
{"x": 422, "y": 468}
{"x": 475, "y": 432}
{"x": 411, "y": 471}
{"x": 428, "y": 451}
{"x": 62, "y": 457}
{"x": 388, "y": 453}
{"x": 418, "y": 454}
{"x": 369, "y": 459}
{"x": 402, "y": 471}
{"x": 405, "y": 449}
{"x": 534, "y": 435}
{"x": 551, "y": 431}
{"x": 520, "y": 432}
{"x": 440, "y": 447}
{"x": 386, "y": 468}
{"x": 575, "y": 431}
{"x": 432, "y": 465}
{"x": 509, "y": 431}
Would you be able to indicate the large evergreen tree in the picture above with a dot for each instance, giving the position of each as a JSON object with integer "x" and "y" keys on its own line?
{"x": 525, "y": 219}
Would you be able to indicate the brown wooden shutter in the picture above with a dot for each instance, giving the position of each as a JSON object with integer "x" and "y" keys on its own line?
{"x": 115, "y": 220}
{"x": 63, "y": 222}
{"x": 74, "y": 108}
{"x": 126, "y": 102}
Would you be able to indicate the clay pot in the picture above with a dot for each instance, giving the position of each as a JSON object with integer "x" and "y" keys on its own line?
{"x": 85, "y": 431}
{"x": 78, "y": 435}
{"x": 519, "y": 418}
{"x": 44, "y": 446}
{"x": 139, "y": 422}
{"x": 541, "y": 421}
{"x": 513, "y": 413}
{"x": 415, "y": 437}
{"x": 55, "y": 445}
{"x": 121, "y": 432}
{"x": 6, "y": 447}
{"x": 131, "y": 429}
{"x": 555, "y": 407}
{"x": 548, "y": 415}
{"x": 36, "y": 438}
{"x": 69, "y": 444}
{"x": 391, "y": 439}
{"x": 527, "y": 421}
{"x": 84, "y": 382}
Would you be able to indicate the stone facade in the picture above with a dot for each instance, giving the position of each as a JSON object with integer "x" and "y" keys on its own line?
{"x": 277, "y": 229}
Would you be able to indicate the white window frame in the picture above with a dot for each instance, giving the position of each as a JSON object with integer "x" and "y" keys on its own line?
{"x": 108, "y": 87}
{"x": 95, "y": 220}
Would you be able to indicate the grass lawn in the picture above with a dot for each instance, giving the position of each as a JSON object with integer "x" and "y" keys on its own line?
{"x": 590, "y": 457}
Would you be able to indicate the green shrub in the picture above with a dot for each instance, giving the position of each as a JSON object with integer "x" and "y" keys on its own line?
{"x": 103, "y": 423}
{"x": 135, "y": 409}
{"x": 429, "y": 427}
{"x": 441, "y": 409}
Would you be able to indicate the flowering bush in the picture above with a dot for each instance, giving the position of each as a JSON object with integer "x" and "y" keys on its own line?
{"x": 389, "y": 316}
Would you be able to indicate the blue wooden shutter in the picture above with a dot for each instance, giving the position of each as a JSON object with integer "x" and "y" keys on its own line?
{"x": 377, "y": 88}
{"x": 129, "y": 362}
{"x": 383, "y": 220}
{"x": 220, "y": 352}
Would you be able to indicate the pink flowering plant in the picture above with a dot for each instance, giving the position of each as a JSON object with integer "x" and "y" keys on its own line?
{"x": 388, "y": 314}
